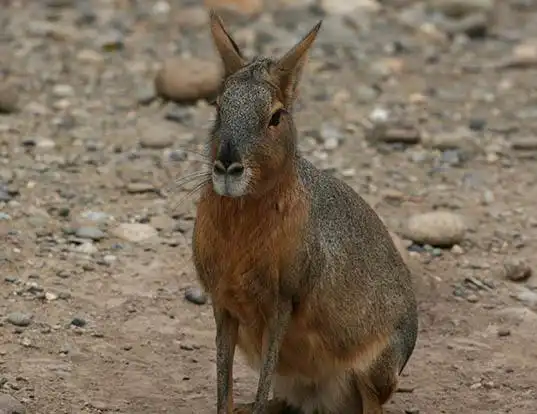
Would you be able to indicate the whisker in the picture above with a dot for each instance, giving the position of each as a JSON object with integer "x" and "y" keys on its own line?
{"x": 194, "y": 190}
{"x": 194, "y": 174}
{"x": 182, "y": 181}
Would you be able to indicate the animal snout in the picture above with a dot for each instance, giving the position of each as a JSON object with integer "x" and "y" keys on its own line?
{"x": 228, "y": 161}
{"x": 223, "y": 168}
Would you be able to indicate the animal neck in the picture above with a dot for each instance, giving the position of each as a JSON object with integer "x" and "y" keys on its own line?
{"x": 282, "y": 194}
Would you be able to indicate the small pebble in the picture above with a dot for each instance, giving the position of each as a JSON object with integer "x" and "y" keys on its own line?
{"x": 45, "y": 143}
{"x": 460, "y": 8}
{"x": 331, "y": 144}
{"x": 516, "y": 270}
{"x": 477, "y": 124}
{"x": 473, "y": 26}
{"x": 95, "y": 215}
{"x": 91, "y": 233}
{"x": 175, "y": 155}
{"x": 4, "y": 216}
{"x": 78, "y": 322}
{"x": 112, "y": 41}
{"x": 146, "y": 94}
{"x": 472, "y": 298}
{"x": 331, "y": 136}
{"x": 457, "y": 250}
{"x": 379, "y": 115}
{"x": 61, "y": 104}
{"x": 20, "y": 319}
{"x": 139, "y": 188}
{"x": 488, "y": 197}
{"x": 524, "y": 144}
{"x": 58, "y": 3}
{"x": 63, "y": 91}
{"x": 109, "y": 258}
{"x": 502, "y": 332}
{"x": 344, "y": 7}
{"x": 196, "y": 295}
{"x": 9, "y": 99}
{"x": 348, "y": 172}
{"x": 436, "y": 252}
{"x": 446, "y": 141}
{"x": 89, "y": 56}
{"x": 64, "y": 274}
{"x": 156, "y": 141}
{"x": 393, "y": 134}
{"x": 180, "y": 114}
{"x": 86, "y": 13}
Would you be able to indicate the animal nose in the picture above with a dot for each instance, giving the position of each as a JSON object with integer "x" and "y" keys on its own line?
{"x": 235, "y": 168}
{"x": 228, "y": 160}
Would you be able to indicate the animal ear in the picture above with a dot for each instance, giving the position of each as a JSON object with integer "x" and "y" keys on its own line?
{"x": 226, "y": 46}
{"x": 288, "y": 70}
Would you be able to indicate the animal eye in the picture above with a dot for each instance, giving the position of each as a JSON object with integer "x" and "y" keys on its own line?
{"x": 275, "y": 119}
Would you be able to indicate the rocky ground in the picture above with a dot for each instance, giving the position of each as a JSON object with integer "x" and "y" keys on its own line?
{"x": 427, "y": 108}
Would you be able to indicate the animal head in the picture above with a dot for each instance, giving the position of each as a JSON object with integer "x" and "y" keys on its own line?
{"x": 253, "y": 138}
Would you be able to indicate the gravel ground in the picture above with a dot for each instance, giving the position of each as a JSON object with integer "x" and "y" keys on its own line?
{"x": 427, "y": 108}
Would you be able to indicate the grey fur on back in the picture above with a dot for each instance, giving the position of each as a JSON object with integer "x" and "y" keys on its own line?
{"x": 351, "y": 254}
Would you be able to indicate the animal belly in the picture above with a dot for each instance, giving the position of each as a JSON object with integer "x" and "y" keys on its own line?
{"x": 306, "y": 355}
{"x": 302, "y": 354}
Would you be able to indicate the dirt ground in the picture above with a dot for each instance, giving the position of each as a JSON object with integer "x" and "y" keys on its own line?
{"x": 93, "y": 319}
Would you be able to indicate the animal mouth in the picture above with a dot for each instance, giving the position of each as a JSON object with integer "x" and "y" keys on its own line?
{"x": 231, "y": 185}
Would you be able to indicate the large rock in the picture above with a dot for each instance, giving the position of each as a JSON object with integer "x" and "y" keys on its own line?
{"x": 436, "y": 228}
{"x": 134, "y": 232}
{"x": 187, "y": 80}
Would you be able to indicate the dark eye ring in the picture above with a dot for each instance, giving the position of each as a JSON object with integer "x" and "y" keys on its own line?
{"x": 275, "y": 118}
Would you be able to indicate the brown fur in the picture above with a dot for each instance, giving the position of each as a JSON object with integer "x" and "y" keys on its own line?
{"x": 304, "y": 277}
{"x": 234, "y": 251}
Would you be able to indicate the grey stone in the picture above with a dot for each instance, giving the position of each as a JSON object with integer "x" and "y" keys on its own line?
{"x": 19, "y": 318}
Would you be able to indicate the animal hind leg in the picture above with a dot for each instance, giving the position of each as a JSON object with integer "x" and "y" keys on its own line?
{"x": 368, "y": 397}
{"x": 350, "y": 393}
{"x": 378, "y": 383}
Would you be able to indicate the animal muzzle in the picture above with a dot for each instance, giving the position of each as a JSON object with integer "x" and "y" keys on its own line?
{"x": 228, "y": 160}
{"x": 229, "y": 174}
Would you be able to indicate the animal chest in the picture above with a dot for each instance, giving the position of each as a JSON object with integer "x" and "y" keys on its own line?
{"x": 239, "y": 269}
